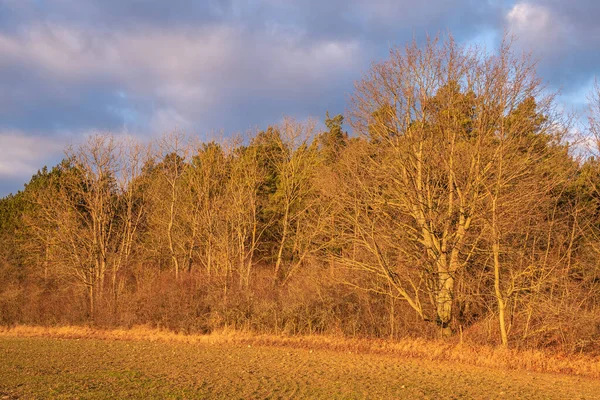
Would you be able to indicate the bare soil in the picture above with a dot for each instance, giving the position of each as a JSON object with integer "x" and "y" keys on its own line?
{"x": 95, "y": 369}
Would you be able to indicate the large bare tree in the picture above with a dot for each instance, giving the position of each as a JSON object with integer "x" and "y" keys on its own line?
{"x": 434, "y": 113}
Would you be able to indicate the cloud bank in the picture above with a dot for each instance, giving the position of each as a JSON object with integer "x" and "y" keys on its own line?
{"x": 70, "y": 67}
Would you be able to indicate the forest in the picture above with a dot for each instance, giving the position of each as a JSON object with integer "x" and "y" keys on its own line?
{"x": 453, "y": 199}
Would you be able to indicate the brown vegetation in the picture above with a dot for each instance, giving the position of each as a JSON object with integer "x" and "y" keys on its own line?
{"x": 430, "y": 350}
{"x": 457, "y": 209}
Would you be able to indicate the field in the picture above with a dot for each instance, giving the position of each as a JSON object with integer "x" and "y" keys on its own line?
{"x": 51, "y": 367}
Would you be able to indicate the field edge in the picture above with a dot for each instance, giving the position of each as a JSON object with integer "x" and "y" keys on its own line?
{"x": 431, "y": 350}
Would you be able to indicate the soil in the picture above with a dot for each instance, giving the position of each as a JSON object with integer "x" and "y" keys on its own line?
{"x": 95, "y": 369}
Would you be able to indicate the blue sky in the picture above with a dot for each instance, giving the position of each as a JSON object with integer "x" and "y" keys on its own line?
{"x": 69, "y": 68}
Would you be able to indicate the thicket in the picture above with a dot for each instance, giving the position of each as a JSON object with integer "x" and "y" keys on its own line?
{"x": 457, "y": 207}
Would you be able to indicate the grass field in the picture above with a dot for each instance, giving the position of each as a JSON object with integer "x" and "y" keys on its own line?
{"x": 45, "y": 367}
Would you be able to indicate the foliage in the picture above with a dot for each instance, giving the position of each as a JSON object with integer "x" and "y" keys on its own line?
{"x": 457, "y": 208}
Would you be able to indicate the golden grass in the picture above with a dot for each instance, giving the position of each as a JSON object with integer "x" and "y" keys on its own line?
{"x": 432, "y": 350}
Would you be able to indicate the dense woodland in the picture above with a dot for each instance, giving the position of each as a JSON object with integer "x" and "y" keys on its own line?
{"x": 460, "y": 205}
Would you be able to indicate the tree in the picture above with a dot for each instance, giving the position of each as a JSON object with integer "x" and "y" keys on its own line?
{"x": 165, "y": 197}
{"x": 334, "y": 140}
{"x": 296, "y": 163}
{"x": 246, "y": 178}
{"x": 206, "y": 181}
{"x": 433, "y": 115}
{"x": 131, "y": 206}
{"x": 77, "y": 211}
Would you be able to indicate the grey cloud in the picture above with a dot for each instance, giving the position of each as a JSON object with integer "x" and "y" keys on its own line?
{"x": 370, "y": 20}
{"x": 186, "y": 70}
{"x": 42, "y": 106}
{"x": 22, "y": 154}
{"x": 143, "y": 67}
{"x": 564, "y": 36}
{"x": 381, "y": 23}
{"x": 118, "y": 13}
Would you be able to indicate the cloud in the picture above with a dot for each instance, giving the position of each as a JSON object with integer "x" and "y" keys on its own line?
{"x": 21, "y": 155}
{"x": 190, "y": 72}
{"x": 564, "y": 35}
{"x": 150, "y": 66}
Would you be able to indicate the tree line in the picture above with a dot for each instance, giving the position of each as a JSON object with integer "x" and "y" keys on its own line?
{"x": 459, "y": 206}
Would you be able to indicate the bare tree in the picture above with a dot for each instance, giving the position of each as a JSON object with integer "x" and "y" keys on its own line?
{"x": 166, "y": 197}
{"x": 296, "y": 167}
{"x": 78, "y": 209}
{"x": 245, "y": 179}
{"x": 435, "y": 114}
{"x": 131, "y": 206}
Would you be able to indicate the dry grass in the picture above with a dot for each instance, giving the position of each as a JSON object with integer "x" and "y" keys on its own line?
{"x": 482, "y": 356}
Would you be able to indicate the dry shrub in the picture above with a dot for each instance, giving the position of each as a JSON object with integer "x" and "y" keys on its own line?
{"x": 47, "y": 304}
{"x": 312, "y": 302}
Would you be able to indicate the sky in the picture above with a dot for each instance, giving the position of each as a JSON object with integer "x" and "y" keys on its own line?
{"x": 71, "y": 68}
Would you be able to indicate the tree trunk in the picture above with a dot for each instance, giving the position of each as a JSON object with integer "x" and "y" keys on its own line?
{"x": 444, "y": 302}
{"x": 282, "y": 242}
{"x": 499, "y": 297}
{"x": 170, "y": 233}
{"x": 91, "y": 301}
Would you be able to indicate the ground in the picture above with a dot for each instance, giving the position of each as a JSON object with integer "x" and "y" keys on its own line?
{"x": 94, "y": 369}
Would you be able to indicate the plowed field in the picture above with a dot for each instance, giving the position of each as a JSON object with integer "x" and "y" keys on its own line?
{"x": 95, "y": 369}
